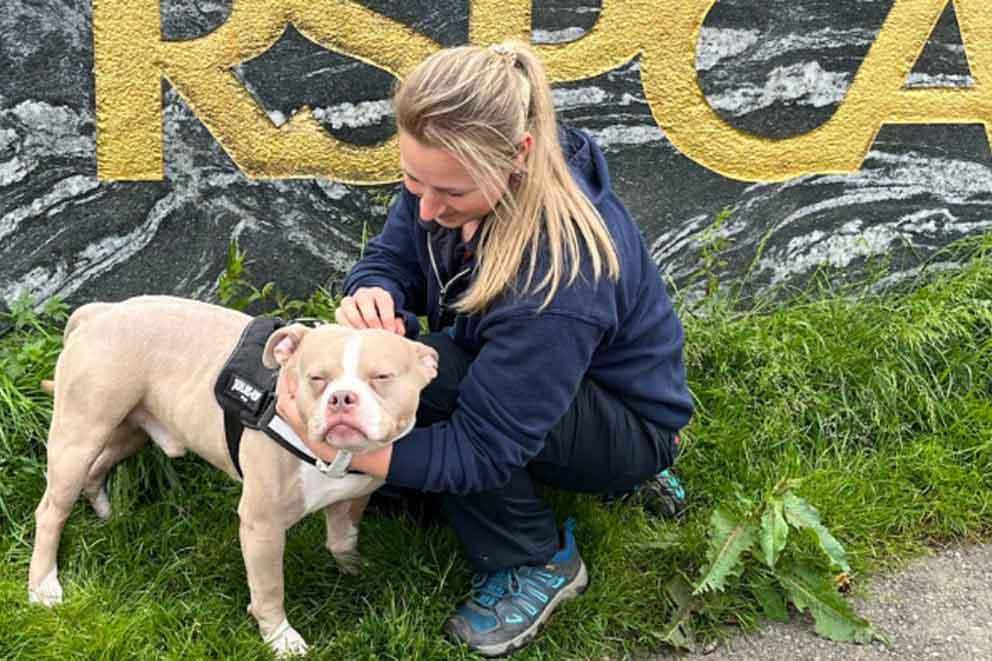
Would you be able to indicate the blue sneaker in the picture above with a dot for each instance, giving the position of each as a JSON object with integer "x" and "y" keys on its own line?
{"x": 507, "y": 607}
{"x": 663, "y": 495}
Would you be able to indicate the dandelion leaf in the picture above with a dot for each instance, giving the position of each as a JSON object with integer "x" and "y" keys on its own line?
{"x": 771, "y": 599}
{"x": 774, "y": 532}
{"x": 834, "y": 618}
{"x": 729, "y": 539}
{"x": 678, "y": 631}
{"x": 801, "y": 514}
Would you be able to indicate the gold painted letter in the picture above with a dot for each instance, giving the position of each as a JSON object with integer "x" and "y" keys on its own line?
{"x": 876, "y": 95}
{"x": 131, "y": 59}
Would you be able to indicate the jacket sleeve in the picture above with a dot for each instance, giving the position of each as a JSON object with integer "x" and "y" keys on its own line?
{"x": 520, "y": 384}
{"x": 390, "y": 260}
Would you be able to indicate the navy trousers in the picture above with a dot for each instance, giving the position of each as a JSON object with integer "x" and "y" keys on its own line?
{"x": 598, "y": 446}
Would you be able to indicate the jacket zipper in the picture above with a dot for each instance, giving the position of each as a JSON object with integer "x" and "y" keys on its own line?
{"x": 443, "y": 286}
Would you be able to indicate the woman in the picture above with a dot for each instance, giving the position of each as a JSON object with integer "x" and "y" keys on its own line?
{"x": 560, "y": 352}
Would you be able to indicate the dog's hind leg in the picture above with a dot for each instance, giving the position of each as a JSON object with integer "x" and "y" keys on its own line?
{"x": 71, "y": 454}
{"x": 124, "y": 441}
{"x": 342, "y": 519}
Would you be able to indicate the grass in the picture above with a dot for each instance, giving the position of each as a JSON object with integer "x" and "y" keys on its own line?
{"x": 879, "y": 403}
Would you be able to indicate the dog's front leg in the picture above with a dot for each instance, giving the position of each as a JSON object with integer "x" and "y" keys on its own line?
{"x": 342, "y": 520}
{"x": 262, "y": 544}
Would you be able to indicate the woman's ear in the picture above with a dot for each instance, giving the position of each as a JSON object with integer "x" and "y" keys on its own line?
{"x": 523, "y": 151}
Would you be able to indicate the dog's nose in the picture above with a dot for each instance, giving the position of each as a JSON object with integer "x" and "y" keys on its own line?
{"x": 343, "y": 400}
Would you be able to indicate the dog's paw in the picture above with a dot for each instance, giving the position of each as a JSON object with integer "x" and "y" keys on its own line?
{"x": 349, "y": 561}
{"x": 286, "y": 641}
{"x": 101, "y": 504}
{"x": 48, "y": 593}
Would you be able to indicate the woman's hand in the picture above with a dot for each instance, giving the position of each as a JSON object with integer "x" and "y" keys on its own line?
{"x": 288, "y": 410}
{"x": 369, "y": 307}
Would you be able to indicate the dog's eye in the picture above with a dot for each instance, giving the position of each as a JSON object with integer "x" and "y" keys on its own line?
{"x": 383, "y": 376}
{"x": 317, "y": 379}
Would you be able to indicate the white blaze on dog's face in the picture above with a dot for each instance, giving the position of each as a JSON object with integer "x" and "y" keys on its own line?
{"x": 355, "y": 389}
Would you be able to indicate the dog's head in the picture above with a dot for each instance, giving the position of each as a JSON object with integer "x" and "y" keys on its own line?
{"x": 357, "y": 390}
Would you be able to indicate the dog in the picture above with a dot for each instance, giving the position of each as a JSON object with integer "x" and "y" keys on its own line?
{"x": 146, "y": 368}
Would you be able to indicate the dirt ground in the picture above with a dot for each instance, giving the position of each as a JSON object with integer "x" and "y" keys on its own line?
{"x": 938, "y": 607}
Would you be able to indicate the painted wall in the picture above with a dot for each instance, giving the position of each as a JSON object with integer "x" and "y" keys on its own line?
{"x": 137, "y": 138}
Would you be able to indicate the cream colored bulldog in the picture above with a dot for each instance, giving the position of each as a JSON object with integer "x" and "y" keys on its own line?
{"x": 145, "y": 368}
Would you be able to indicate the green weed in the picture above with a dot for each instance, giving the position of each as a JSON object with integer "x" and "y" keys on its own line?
{"x": 27, "y": 355}
{"x": 236, "y": 290}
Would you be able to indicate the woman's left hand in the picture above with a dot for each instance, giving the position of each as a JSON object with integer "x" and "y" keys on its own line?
{"x": 287, "y": 409}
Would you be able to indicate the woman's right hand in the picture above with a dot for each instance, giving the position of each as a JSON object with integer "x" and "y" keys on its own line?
{"x": 369, "y": 307}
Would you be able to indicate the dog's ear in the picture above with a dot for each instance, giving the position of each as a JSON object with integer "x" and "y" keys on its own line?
{"x": 282, "y": 344}
{"x": 426, "y": 360}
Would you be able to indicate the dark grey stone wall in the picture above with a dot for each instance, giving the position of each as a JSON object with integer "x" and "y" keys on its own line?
{"x": 773, "y": 67}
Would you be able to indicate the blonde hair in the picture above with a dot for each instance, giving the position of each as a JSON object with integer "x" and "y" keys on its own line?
{"x": 477, "y": 103}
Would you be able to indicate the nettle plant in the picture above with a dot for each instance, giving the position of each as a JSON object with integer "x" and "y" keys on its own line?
{"x": 762, "y": 545}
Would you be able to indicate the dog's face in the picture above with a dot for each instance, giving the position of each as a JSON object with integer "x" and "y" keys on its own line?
{"x": 357, "y": 390}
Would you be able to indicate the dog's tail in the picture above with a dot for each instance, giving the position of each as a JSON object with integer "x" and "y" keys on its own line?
{"x": 48, "y": 386}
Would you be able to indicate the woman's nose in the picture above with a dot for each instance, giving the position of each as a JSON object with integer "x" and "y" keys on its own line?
{"x": 430, "y": 205}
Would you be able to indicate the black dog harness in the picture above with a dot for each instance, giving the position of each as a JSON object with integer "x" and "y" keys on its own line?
{"x": 246, "y": 391}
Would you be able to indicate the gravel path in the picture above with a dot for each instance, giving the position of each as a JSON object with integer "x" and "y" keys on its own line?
{"x": 936, "y": 608}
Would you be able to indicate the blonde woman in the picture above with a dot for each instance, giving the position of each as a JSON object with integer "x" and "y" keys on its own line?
{"x": 560, "y": 352}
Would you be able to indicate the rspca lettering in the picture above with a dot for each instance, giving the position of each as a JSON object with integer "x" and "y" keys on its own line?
{"x": 131, "y": 59}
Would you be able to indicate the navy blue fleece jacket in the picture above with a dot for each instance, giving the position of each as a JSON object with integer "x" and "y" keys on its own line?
{"x": 624, "y": 335}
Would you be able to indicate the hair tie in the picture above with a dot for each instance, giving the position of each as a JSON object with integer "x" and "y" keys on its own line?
{"x": 509, "y": 55}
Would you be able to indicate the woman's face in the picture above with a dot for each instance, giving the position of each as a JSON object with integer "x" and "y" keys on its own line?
{"x": 448, "y": 195}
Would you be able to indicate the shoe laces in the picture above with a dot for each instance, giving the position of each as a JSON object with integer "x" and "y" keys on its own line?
{"x": 488, "y": 589}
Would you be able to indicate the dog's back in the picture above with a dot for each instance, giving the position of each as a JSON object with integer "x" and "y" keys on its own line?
{"x": 149, "y": 362}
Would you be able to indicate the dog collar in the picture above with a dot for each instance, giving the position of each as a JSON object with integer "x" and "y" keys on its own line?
{"x": 280, "y": 431}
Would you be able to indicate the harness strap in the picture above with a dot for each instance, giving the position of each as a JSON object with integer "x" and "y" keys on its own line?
{"x": 232, "y": 430}
{"x": 279, "y": 431}
{"x": 245, "y": 388}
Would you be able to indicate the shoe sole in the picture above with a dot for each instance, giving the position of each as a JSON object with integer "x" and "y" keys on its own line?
{"x": 570, "y": 591}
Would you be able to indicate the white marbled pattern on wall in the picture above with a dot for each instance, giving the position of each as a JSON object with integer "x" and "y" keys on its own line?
{"x": 774, "y": 67}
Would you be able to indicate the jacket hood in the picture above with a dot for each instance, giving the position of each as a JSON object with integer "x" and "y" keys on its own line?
{"x": 586, "y": 161}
